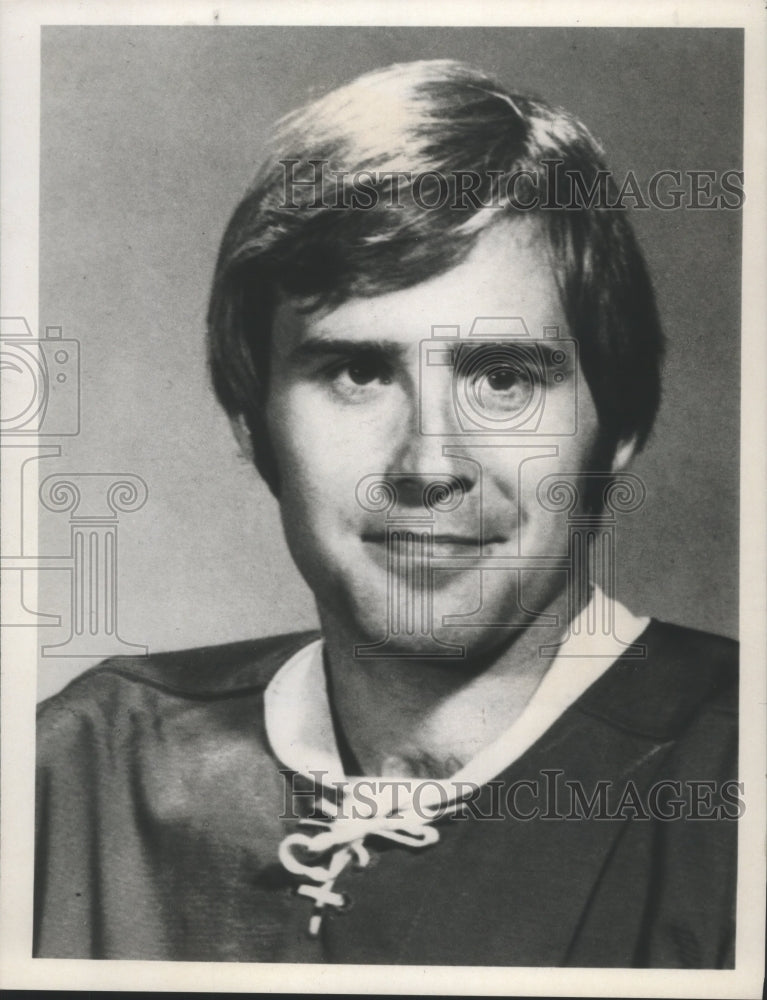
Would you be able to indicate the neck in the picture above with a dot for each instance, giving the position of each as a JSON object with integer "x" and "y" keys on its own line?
{"x": 425, "y": 718}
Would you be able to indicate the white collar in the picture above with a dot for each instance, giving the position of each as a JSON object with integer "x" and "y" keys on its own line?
{"x": 300, "y": 729}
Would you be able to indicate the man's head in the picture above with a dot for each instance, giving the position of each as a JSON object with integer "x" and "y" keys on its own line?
{"x": 318, "y": 225}
{"x": 416, "y": 199}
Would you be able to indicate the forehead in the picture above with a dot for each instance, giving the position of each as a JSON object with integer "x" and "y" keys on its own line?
{"x": 507, "y": 274}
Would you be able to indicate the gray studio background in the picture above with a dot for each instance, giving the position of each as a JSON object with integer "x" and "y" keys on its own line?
{"x": 150, "y": 135}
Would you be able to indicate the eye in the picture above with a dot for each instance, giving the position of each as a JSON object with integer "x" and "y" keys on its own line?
{"x": 503, "y": 379}
{"x": 502, "y": 387}
{"x": 497, "y": 381}
{"x": 367, "y": 369}
{"x": 359, "y": 378}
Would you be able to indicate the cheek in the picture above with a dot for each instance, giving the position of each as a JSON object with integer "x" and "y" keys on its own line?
{"x": 513, "y": 475}
{"x": 320, "y": 457}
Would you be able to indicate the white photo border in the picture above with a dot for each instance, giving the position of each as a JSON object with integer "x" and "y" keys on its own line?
{"x": 21, "y": 22}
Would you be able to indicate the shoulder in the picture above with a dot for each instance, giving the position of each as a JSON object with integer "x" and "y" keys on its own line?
{"x": 107, "y": 697}
{"x": 690, "y": 645}
{"x": 681, "y": 675}
{"x": 700, "y": 665}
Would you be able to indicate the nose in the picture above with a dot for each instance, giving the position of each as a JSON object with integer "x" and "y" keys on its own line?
{"x": 420, "y": 453}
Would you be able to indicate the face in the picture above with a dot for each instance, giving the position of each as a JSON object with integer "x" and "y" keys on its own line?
{"x": 370, "y": 393}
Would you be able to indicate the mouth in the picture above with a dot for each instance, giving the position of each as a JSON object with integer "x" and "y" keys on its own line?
{"x": 458, "y": 542}
{"x": 443, "y": 544}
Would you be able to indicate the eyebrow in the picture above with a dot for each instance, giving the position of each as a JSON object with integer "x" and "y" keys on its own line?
{"x": 528, "y": 350}
{"x": 327, "y": 347}
{"x": 333, "y": 347}
{"x": 547, "y": 348}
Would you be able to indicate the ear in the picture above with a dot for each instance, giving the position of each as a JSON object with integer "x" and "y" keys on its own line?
{"x": 624, "y": 454}
{"x": 242, "y": 437}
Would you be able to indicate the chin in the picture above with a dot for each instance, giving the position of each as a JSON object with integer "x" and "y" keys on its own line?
{"x": 452, "y": 643}
{"x": 416, "y": 651}
{"x": 360, "y": 610}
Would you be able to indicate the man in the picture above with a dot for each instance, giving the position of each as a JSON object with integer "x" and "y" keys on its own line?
{"x": 441, "y": 357}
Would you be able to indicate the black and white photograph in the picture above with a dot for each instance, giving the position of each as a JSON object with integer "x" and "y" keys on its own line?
{"x": 383, "y": 450}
